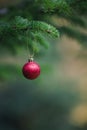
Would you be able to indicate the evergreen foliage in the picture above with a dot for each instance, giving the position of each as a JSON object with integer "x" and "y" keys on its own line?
{"x": 29, "y": 23}
{"x": 32, "y": 32}
{"x": 33, "y": 19}
{"x": 27, "y": 105}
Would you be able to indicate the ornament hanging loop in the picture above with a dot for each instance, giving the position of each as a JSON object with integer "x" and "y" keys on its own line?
{"x": 30, "y": 59}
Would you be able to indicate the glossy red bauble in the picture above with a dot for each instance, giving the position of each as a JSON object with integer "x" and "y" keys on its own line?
{"x": 31, "y": 70}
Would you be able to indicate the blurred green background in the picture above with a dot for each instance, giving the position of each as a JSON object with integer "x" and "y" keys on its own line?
{"x": 57, "y": 100}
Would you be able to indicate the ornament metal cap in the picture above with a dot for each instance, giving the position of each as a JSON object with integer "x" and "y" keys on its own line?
{"x": 30, "y": 59}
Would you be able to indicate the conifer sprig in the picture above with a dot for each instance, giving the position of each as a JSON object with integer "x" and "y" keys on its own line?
{"x": 21, "y": 28}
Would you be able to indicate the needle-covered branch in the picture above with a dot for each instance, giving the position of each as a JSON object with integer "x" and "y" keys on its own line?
{"x": 31, "y": 31}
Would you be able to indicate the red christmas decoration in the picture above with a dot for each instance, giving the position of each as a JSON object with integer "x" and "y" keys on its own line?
{"x": 31, "y": 70}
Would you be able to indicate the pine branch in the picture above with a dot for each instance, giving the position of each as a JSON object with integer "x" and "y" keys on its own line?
{"x": 23, "y": 24}
{"x": 22, "y": 29}
{"x": 51, "y": 6}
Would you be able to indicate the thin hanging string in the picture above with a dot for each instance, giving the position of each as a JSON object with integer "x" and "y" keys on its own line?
{"x": 28, "y": 50}
{"x": 30, "y": 53}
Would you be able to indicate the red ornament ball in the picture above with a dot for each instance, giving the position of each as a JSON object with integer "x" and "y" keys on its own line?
{"x": 31, "y": 70}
